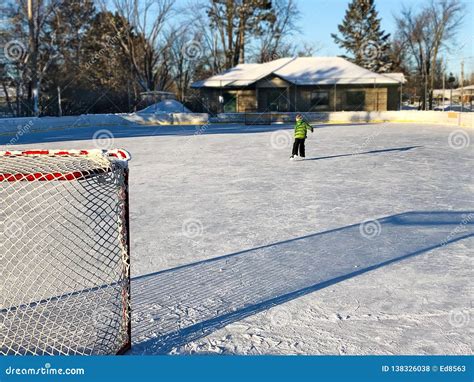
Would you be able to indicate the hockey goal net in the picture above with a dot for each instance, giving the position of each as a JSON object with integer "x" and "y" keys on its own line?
{"x": 64, "y": 252}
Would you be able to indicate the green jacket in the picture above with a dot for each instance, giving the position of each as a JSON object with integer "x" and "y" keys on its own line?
{"x": 301, "y": 129}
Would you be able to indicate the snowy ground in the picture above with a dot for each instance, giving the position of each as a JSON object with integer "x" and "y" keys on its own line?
{"x": 291, "y": 268}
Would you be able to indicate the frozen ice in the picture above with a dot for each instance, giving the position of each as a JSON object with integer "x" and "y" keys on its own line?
{"x": 363, "y": 248}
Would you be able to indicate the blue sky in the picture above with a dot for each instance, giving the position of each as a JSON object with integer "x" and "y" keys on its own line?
{"x": 319, "y": 18}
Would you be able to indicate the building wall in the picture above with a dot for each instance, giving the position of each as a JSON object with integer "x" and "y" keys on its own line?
{"x": 246, "y": 100}
{"x": 393, "y": 97}
{"x": 272, "y": 82}
{"x": 210, "y": 100}
{"x": 273, "y": 91}
{"x": 376, "y": 99}
{"x": 258, "y": 98}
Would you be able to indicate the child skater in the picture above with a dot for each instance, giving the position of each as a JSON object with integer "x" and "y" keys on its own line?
{"x": 301, "y": 131}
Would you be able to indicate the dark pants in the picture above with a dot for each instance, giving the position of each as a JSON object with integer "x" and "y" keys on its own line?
{"x": 298, "y": 146}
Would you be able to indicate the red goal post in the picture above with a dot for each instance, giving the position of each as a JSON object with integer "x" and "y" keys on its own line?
{"x": 65, "y": 252}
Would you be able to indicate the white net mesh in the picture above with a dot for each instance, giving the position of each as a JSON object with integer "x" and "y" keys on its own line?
{"x": 64, "y": 276}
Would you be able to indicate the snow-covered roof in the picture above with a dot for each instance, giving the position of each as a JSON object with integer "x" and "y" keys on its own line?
{"x": 467, "y": 90}
{"x": 446, "y": 92}
{"x": 399, "y": 77}
{"x": 242, "y": 74}
{"x": 301, "y": 71}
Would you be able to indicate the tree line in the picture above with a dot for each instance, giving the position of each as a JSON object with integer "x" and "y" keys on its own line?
{"x": 423, "y": 34}
{"x": 67, "y": 57}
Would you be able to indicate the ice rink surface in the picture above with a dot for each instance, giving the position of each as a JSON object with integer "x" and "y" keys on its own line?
{"x": 365, "y": 247}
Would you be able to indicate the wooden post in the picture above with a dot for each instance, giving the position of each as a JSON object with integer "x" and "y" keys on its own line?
{"x": 376, "y": 98}
{"x": 401, "y": 95}
{"x": 444, "y": 86}
{"x": 296, "y": 90}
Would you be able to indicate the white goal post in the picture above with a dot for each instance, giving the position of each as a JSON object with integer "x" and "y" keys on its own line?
{"x": 64, "y": 252}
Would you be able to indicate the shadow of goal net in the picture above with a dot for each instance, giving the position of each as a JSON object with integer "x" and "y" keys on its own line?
{"x": 64, "y": 250}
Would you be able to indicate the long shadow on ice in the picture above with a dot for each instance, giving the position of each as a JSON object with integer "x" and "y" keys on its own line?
{"x": 86, "y": 133}
{"x": 397, "y": 149}
{"x": 176, "y": 306}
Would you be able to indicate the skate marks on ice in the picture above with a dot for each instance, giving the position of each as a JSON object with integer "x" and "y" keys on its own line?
{"x": 179, "y": 305}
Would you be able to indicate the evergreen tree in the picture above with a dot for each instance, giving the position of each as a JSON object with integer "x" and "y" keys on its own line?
{"x": 361, "y": 36}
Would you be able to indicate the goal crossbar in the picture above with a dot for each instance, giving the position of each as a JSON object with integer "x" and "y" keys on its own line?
{"x": 67, "y": 176}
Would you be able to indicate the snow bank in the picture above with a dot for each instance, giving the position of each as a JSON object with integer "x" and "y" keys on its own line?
{"x": 23, "y": 125}
{"x": 8, "y": 125}
{"x": 166, "y": 106}
{"x": 168, "y": 118}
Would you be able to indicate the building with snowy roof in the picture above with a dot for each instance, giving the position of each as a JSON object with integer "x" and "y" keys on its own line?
{"x": 301, "y": 84}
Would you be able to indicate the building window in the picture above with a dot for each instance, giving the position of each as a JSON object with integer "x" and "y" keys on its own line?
{"x": 277, "y": 100}
{"x": 319, "y": 100}
{"x": 355, "y": 99}
{"x": 230, "y": 102}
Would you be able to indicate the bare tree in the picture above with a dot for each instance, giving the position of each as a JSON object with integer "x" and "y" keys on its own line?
{"x": 31, "y": 48}
{"x": 141, "y": 36}
{"x": 236, "y": 21}
{"x": 38, "y": 13}
{"x": 426, "y": 33}
{"x": 186, "y": 58}
{"x": 212, "y": 58}
{"x": 445, "y": 17}
{"x": 272, "y": 43}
